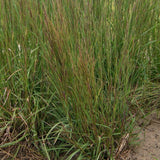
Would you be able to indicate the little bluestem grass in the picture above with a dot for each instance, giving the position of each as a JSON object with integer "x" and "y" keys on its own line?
{"x": 68, "y": 68}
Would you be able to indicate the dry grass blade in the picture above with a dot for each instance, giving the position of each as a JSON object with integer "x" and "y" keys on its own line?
{"x": 122, "y": 144}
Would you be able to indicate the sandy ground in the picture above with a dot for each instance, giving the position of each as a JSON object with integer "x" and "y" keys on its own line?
{"x": 149, "y": 138}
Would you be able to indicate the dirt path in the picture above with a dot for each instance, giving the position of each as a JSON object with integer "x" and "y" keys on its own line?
{"x": 149, "y": 147}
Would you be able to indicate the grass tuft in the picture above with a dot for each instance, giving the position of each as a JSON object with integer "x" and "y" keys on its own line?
{"x": 70, "y": 72}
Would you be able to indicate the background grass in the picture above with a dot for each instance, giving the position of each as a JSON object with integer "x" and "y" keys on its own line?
{"x": 70, "y": 71}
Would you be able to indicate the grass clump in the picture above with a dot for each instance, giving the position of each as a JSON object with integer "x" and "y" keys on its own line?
{"x": 68, "y": 68}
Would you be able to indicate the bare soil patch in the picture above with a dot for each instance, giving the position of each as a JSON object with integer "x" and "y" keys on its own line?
{"x": 149, "y": 140}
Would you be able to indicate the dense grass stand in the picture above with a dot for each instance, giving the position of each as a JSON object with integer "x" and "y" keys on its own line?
{"x": 73, "y": 75}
